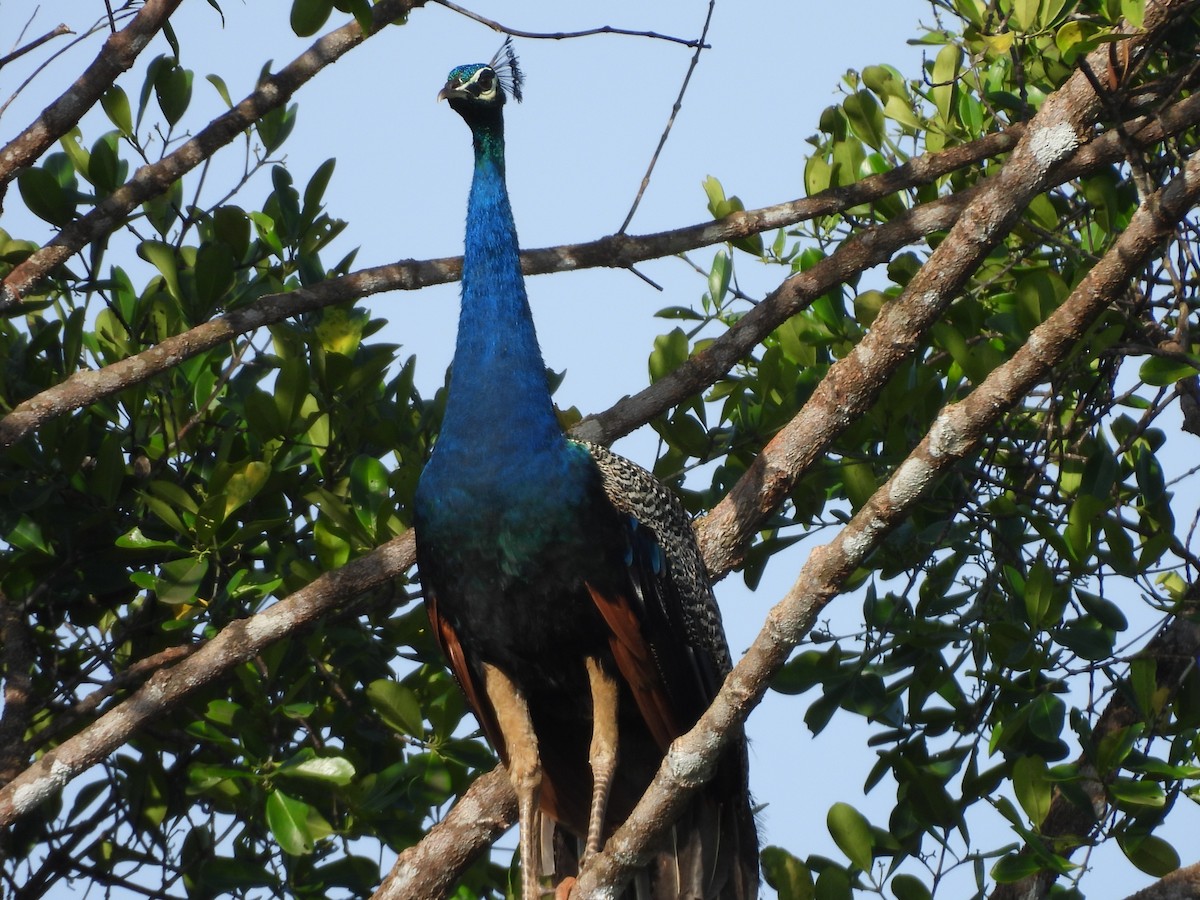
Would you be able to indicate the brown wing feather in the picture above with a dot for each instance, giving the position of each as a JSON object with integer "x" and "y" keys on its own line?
{"x": 635, "y": 661}
{"x": 477, "y": 698}
{"x": 447, "y": 639}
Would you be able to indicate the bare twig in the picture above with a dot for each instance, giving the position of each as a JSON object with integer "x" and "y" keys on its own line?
{"x": 955, "y": 434}
{"x": 58, "y": 31}
{"x": 662, "y": 141}
{"x": 561, "y": 35}
{"x": 116, "y": 56}
{"x": 429, "y": 869}
{"x": 149, "y": 181}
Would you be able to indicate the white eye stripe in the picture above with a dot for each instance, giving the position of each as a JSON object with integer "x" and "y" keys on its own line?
{"x": 483, "y": 77}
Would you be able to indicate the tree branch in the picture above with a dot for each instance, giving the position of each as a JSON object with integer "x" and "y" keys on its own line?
{"x": 237, "y": 642}
{"x": 564, "y": 35}
{"x": 957, "y": 431}
{"x": 1182, "y": 884}
{"x": 1052, "y": 138}
{"x": 116, "y": 56}
{"x": 57, "y": 31}
{"x": 618, "y": 251}
{"x": 150, "y": 180}
{"x": 429, "y": 869}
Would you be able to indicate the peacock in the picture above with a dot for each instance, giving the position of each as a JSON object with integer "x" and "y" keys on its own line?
{"x": 564, "y": 583}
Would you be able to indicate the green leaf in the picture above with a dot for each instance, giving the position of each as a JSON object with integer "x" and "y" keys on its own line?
{"x": 1161, "y": 371}
{"x": 789, "y": 876}
{"x": 909, "y": 887}
{"x": 1134, "y": 12}
{"x": 1014, "y": 867}
{"x": 670, "y": 352}
{"x": 1151, "y": 854}
{"x": 309, "y": 15}
{"x": 817, "y": 175}
{"x": 214, "y": 273}
{"x": 1105, "y": 611}
{"x": 1132, "y": 792}
{"x": 244, "y": 484}
{"x": 329, "y": 769}
{"x": 866, "y": 118}
{"x": 718, "y": 277}
{"x": 1025, "y": 14}
{"x": 45, "y": 197}
{"x": 1143, "y": 678}
{"x": 134, "y": 539}
{"x": 368, "y": 488}
{"x": 222, "y": 89}
{"x": 115, "y": 103}
{"x": 1033, "y": 787}
{"x": 162, "y": 257}
{"x": 397, "y": 705}
{"x": 173, "y": 87}
{"x": 288, "y": 820}
{"x": 105, "y": 168}
{"x": 946, "y": 67}
{"x": 1046, "y": 716}
{"x": 852, "y": 833}
{"x": 333, "y": 543}
{"x": 179, "y": 581}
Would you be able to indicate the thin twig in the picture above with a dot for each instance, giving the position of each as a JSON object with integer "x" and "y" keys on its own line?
{"x": 34, "y": 44}
{"x": 700, "y": 45}
{"x": 562, "y": 35}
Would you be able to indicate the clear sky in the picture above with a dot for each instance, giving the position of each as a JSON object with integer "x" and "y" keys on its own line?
{"x": 577, "y": 150}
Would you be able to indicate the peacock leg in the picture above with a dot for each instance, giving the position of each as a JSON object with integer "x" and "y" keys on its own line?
{"x": 524, "y": 770}
{"x": 603, "y": 755}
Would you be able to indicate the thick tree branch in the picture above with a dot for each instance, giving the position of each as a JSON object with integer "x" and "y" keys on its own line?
{"x": 956, "y": 433}
{"x": 618, "y": 251}
{"x": 1060, "y": 128}
{"x": 429, "y": 869}
{"x": 119, "y": 52}
{"x": 1182, "y": 884}
{"x": 150, "y": 180}
{"x": 237, "y": 642}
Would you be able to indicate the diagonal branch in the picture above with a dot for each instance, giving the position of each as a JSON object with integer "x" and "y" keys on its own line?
{"x": 237, "y": 642}
{"x": 150, "y": 180}
{"x": 864, "y": 249}
{"x": 429, "y": 869}
{"x": 1061, "y": 127}
{"x": 116, "y": 56}
{"x": 955, "y": 434}
{"x": 85, "y": 387}
{"x": 1052, "y": 137}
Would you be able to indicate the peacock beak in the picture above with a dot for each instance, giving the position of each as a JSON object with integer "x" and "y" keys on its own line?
{"x": 450, "y": 91}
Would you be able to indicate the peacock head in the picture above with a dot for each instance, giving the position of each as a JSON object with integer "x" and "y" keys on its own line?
{"x": 480, "y": 86}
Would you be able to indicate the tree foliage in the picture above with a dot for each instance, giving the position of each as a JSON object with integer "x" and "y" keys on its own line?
{"x": 974, "y": 377}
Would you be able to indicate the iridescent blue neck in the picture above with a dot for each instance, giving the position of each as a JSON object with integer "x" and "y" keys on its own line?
{"x": 499, "y": 402}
